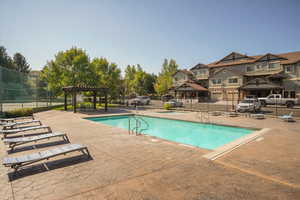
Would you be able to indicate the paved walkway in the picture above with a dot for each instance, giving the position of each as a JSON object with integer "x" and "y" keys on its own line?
{"x": 140, "y": 167}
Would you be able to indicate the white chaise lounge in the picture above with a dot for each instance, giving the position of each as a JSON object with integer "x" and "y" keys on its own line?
{"x": 16, "y": 119}
{"x": 13, "y": 142}
{"x": 11, "y": 125}
{"x": 24, "y": 160}
{"x": 287, "y": 118}
{"x": 18, "y": 130}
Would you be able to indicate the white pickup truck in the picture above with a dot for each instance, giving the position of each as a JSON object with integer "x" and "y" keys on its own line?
{"x": 273, "y": 99}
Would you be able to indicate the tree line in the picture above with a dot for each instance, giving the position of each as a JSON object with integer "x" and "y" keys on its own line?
{"x": 17, "y": 62}
{"x": 74, "y": 67}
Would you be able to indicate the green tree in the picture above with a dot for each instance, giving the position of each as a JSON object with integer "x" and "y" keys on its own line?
{"x": 137, "y": 81}
{"x": 20, "y": 63}
{"x": 70, "y": 67}
{"x": 107, "y": 75}
{"x": 5, "y": 60}
{"x": 164, "y": 80}
{"x": 130, "y": 72}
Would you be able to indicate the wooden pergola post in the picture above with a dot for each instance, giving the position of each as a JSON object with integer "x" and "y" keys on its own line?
{"x": 105, "y": 108}
{"x": 95, "y": 100}
{"x": 74, "y": 102}
{"x": 66, "y": 101}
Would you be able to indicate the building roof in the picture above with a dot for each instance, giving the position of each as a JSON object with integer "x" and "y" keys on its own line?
{"x": 185, "y": 71}
{"x": 190, "y": 86}
{"x": 199, "y": 66}
{"x": 259, "y": 84}
{"x": 284, "y": 58}
{"x": 239, "y": 73}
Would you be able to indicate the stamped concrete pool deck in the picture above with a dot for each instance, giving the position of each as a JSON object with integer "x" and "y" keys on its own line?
{"x": 124, "y": 166}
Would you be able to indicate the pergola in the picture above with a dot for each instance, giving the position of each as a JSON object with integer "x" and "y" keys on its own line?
{"x": 73, "y": 90}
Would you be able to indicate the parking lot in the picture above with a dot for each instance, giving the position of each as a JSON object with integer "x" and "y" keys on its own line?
{"x": 228, "y": 106}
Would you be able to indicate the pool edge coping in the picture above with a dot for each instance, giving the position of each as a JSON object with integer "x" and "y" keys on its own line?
{"x": 227, "y": 148}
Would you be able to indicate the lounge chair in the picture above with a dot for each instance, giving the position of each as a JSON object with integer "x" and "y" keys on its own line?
{"x": 233, "y": 114}
{"x": 24, "y": 160}
{"x": 13, "y": 142}
{"x": 18, "y": 130}
{"x": 16, "y": 119}
{"x": 258, "y": 116}
{"x": 287, "y": 118}
{"x": 216, "y": 113}
{"x": 11, "y": 125}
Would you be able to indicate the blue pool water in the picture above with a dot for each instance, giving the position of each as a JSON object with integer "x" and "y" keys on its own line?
{"x": 206, "y": 136}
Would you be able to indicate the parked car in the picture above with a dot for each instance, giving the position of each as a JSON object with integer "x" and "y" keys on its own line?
{"x": 248, "y": 105}
{"x": 140, "y": 100}
{"x": 167, "y": 97}
{"x": 174, "y": 103}
{"x": 279, "y": 100}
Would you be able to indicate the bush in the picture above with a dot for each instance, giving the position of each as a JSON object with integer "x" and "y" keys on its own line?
{"x": 167, "y": 106}
{"x": 27, "y": 111}
{"x": 19, "y": 113}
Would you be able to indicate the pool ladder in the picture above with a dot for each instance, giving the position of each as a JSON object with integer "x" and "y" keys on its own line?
{"x": 137, "y": 125}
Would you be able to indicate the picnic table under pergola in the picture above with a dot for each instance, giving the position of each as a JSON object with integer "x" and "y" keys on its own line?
{"x": 73, "y": 90}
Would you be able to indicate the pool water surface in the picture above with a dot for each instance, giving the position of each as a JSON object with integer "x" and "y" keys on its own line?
{"x": 207, "y": 136}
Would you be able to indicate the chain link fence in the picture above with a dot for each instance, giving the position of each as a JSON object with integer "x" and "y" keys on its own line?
{"x": 20, "y": 90}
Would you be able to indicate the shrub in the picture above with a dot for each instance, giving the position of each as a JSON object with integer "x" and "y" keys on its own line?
{"x": 19, "y": 112}
{"x": 167, "y": 106}
{"x": 27, "y": 111}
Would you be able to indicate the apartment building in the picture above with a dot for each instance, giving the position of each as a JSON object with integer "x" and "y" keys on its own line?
{"x": 237, "y": 75}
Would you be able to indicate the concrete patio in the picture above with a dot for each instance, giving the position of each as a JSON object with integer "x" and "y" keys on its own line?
{"x": 124, "y": 166}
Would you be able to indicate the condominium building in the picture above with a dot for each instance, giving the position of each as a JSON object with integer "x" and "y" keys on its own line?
{"x": 237, "y": 75}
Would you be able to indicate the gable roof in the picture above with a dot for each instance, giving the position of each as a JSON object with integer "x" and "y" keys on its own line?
{"x": 284, "y": 58}
{"x": 189, "y": 86}
{"x": 270, "y": 56}
{"x": 234, "y": 56}
{"x": 259, "y": 83}
{"x": 189, "y": 73}
{"x": 230, "y": 70}
{"x": 199, "y": 66}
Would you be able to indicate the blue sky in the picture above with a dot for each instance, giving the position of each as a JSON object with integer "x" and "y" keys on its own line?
{"x": 147, "y": 31}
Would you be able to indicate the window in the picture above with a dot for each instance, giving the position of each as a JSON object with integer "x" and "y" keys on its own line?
{"x": 289, "y": 68}
{"x": 273, "y": 65}
{"x": 258, "y": 67}
{"x": 201, "y": 72}
{"x": 250, "y": 68}
{"x": 233, "y": 80}
{"x": 216, "y": 81}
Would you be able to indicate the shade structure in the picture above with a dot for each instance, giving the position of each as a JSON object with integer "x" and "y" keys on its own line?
{"x": 75, "y": 89}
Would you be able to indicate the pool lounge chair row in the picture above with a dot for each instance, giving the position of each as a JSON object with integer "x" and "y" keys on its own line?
{"x": 24, "y": 160}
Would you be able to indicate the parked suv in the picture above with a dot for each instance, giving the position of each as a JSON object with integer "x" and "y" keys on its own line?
{"x": 248, "y": 105}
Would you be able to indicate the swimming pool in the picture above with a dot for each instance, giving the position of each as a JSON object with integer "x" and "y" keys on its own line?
{"x": 207, "y": 136}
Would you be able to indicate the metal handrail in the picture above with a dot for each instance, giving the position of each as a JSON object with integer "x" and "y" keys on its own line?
{"x": 147, "y": 124}
{"x": 138, "y": 123}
